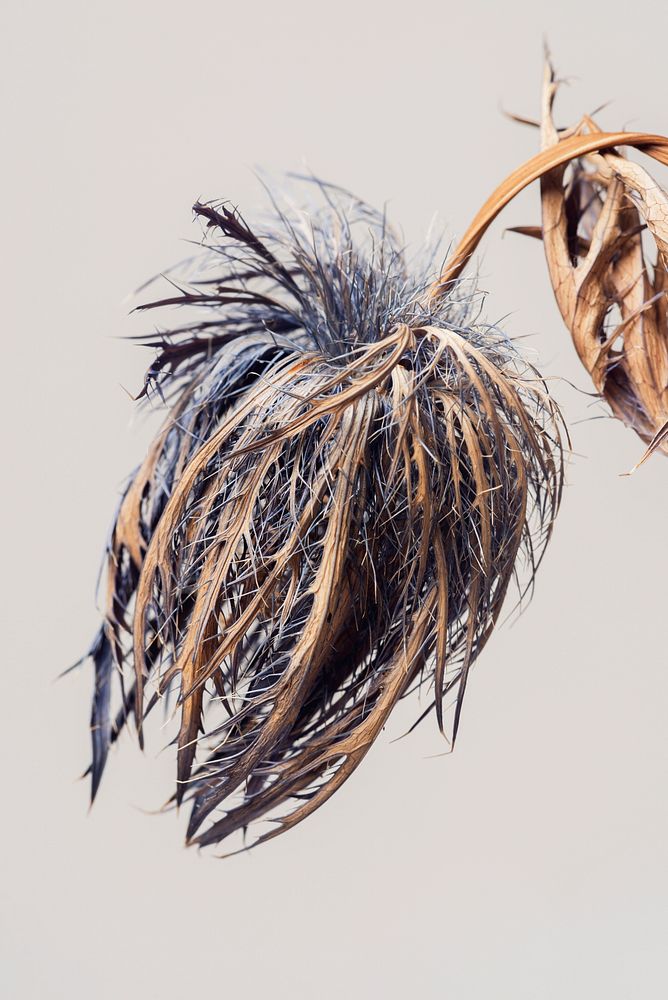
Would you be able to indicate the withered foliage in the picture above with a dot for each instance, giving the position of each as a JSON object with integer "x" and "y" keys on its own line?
{"x": 350, "y": 476}
{"x": 605, "y": 233}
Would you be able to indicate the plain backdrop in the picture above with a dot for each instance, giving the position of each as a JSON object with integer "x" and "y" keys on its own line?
{"x": 529, "y": 865}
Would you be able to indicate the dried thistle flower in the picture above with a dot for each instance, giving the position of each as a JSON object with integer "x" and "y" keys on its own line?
{"x": 611, "y": 291}
{"x": 351, "y": 473}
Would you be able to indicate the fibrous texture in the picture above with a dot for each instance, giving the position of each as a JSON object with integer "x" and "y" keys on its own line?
{"x": 350, "y": 475}
{"x": 605, "y": 234}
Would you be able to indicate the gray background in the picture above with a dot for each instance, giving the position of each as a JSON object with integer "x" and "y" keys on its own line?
{"x": 532, "y": 863}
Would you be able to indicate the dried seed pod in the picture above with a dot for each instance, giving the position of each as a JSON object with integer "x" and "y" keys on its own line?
{"x": 349, "y": 478}
{"x": 610, "y": 290}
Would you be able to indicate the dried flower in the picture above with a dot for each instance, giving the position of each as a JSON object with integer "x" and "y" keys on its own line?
{"x": 352, "y": 472}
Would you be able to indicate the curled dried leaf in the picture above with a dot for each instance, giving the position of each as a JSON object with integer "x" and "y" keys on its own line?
{"x": 611, "y": 291}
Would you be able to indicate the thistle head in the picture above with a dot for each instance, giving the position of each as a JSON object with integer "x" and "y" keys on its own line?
{"x": 350, "y": 475}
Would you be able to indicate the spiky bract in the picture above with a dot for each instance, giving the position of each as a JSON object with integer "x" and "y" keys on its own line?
{"x": 331, "y": 515}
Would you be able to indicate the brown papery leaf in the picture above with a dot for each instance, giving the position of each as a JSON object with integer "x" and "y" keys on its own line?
{"x": 611, "y": 292}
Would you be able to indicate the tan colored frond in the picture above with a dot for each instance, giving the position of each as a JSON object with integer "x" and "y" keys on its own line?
{"x": 596, "y": 204}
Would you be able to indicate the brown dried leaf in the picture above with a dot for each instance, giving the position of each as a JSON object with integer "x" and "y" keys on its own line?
{"x": 595, "y": 206}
